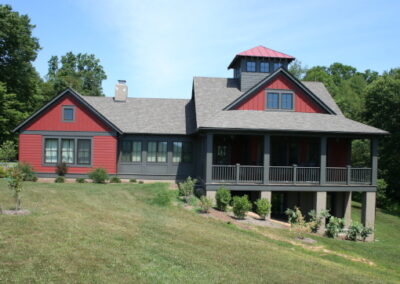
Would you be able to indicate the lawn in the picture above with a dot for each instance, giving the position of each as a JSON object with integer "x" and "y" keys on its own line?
{"x": 116, "y": 233}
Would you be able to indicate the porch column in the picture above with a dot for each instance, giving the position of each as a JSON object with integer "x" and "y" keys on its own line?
{"x": 368, "y": 211}
{"x": 267, "y": 194}
{"x": 209, "y": 157}
{"x": 374, "y": 160}
{"x": 320, "y": 204}
{"x": 267, "y": 149}
{"x": 347, "y": 208}
{"x": 211, "y": 194}
{"x": 322, "y": 163}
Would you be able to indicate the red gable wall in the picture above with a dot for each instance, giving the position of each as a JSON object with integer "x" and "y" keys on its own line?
{"x": 51, "y": 120}
{"x": 303, "y": 103}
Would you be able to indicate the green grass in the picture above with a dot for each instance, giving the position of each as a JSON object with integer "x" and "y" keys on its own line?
{"x": 119, "y": 233}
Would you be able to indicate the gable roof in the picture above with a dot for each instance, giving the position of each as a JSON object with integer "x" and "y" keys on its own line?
{"x": 79, "y": 98}
{"x": 269, "y": 78}
{"x": 261, "y": 51}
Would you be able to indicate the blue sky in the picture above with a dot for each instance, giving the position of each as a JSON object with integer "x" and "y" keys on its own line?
{"x": 158, "y": 46}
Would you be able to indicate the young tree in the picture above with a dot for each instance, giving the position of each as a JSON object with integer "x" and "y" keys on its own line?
{"x": 15, "y": 179}
{"x": 297, "y": 69}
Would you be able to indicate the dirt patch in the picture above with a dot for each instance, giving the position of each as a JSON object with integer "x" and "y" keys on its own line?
{"x": 16, "y": 212}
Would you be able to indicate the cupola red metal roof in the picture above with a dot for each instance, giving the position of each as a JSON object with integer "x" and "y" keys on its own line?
{"x": 261, "y": 51}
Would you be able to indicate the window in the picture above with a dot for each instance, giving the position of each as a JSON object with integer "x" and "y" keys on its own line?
{"x": 67, "y": 151}
{"x": 182, "y": 152}
{"x": 264, "y": 67}
{"x": 162, "y": 152}
{"x": 126, "y": 151}
{"x": 151, "y": 152}
{"x": 51, "y": 151}
{"x": 84, "y": 152}
{"x": 277, "y": 66}
{"x": 137, "y": 151}
{"x": 68, "y": 113}
{"x": 280, "y": 100}
{"x": 272, "y": 100}
{"x": 251, "y": 66}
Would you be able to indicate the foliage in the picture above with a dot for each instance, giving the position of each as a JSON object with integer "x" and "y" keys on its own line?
{"x": 365, "y": 232}
{"x": 205, "y": 204}
{"x": 80, "y": 180}
{"x": 8, "y": 151}
{"x": 263, "y": 207}
{"x": 115, "y": 179}
{"x": 316, "y": 219}
{"x": 334, "y": 226}
{"x": 3, "y": 172}
{"x": 297, "y": 69}
{"x": 297, "y": 221}
{"x": 241, "y": 205}
{"x": 15, "y": 178}
{"x": 357, "y": 231}
{"x": 382, "y": 200}
{"x": 223, "y": 197}
{"x": 360, "y": 153}
{"x": 81, "y": 71}
{"x": 98, "y": 175}
{"x": 141, "y": 182}
{"x": 27, "y": 171}
{"x": 186, "y": 188}
{"x": 61, "y": 169}
{"x": 133, "y": 180}
{"x": 162, "y": 198}
{"x": 59, "y": 179}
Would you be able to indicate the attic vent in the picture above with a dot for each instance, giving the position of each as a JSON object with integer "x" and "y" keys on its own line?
{"x": 121, "y": 91}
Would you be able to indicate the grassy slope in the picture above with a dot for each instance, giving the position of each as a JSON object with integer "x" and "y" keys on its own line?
{"x": 113, "y": 233}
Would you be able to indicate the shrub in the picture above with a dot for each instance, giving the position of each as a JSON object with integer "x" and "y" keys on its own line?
{"x": 223, "y": 197}
{"x": 2, "y": 172}
{"x": 297, "y": 222}
{"x": 205, "y": 204}
{"x": 59, "y": 179}
{"x": 186, "y": 188}
{"x": 98, "y": 175}
{"x": 162, "y": 198}
{"x": 263, "y": 207}
{"x": 27, "y": 171}
{"x": 354, "y": 231}
{"x": 115, "y": 179}
{"x": 61, "y": 169}
{"x": 141, "y": 182}
{"x": 8, "y": 151}
{"x": 15, "y": 180}
{"x": 334, "y": 227}
{"x": 316, "y": 219}
{"x": 80, "y": 180}
{"x": 241, "y": 205}
{"x": 133, "y": 180}
{"x": 365, "y": 232}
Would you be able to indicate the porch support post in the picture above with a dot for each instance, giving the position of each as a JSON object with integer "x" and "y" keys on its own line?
{"x": 267, "y": 149}
{"x": 322, "y": 163}
{"x": 211, "y": 194}
{"x": 368, "y": 211}
{"x": 320, "y": 204}
{"x": 347, "y": 208}
{"x": 209, "y": 157}
{"x": 267, "y": 195}
{"x": 374, "y": 160}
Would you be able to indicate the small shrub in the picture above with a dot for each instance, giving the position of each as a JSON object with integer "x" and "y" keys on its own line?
{"x": 141, "y": 182}
{"x": 223, "y": 197}
{"x": 59, "y": 179}
{"x": 15, "y": 179}
{"x": 162, "y": 198}
{"x": 8, "y": 151}
{"x": 334, "y": 227}
{"x": 115, "y": 179}
{"x": 365, "y": 232}
{"x": 133, "y": 180}
{"x": 61, "y": 169}
{"x": 316, "y": 219}
{"x": 205, "y": 204}
{"x": 98, "y": 175}
{"x": 27, "y": 171}
{"x": 297, "y": 222}
{"x": 354, "y": 231}
{"x": 186, "y": 188}
{"x": 263, "y": 207}
{"x": 80, "y": 180}
{"x": 2, "y": 172}
{"x": 241, "y": 205}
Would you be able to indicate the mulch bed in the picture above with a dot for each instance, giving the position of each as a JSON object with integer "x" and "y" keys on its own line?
{"x": 16, "y": 212}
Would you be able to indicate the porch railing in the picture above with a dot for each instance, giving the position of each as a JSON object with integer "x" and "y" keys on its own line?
{"x": 290, "y": 174}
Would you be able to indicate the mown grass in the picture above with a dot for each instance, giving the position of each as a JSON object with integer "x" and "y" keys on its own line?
{"x": 119, "y": 233}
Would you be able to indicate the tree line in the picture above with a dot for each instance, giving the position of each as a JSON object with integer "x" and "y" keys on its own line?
{"x": 367, "y": 97}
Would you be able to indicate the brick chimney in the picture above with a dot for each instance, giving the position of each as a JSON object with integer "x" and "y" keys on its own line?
{"x": 121, "y": 91}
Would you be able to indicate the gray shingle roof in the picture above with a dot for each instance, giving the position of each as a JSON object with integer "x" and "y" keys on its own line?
{"x": 213, "y": 94}
{"x": 145, "y": 115}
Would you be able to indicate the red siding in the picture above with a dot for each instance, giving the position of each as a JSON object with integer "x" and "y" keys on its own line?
{"x": 338, "y": 152}
{"x": 51, "y": 120}
{"x": 104, "y": 154}
{"x": 303, "y": 103}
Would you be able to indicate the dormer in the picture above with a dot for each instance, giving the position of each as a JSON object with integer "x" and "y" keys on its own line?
{"x": 253, "y": 65}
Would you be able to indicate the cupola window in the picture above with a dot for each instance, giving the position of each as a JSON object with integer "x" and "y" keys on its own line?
{"x": 251, "y": 66}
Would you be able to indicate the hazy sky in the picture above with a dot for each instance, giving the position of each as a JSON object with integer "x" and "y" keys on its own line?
{"x": 158, "y": 46}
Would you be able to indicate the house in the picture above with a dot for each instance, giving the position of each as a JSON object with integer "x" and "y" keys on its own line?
{"x": 262, "y": 132}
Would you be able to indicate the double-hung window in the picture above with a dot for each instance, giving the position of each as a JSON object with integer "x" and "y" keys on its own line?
{"x": 84, "y": 150}
{"x": 264, "y": 67}
{"x": 51, "y": 151}
{"x": 280, "y": 100}
{"x": 74, "y": 151}
{"x": 162, "y": 152}
{"x": 182, "y": 152}
{"x": 251, "y": 66}
{"x": 131, "y": 151}
{"x": 67, "y": 150}
{"x": 157, "y": 152}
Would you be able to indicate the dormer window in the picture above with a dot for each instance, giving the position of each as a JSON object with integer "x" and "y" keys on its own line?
{"x": 277, "y": 66}
{"x": 264, "y": 67}
{"x": 251, "y": 66}
{"x": 279, "y": 100}
{"x": 68, "y": 113}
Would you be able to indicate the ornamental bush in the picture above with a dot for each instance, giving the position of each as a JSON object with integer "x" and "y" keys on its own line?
{"x": 98, "y": 175}
{"x": 27, "y": 171}
{"x": 241, "y": 205}
{"x": 80, "y": 180}
{"x": 2, "y": 172}
{"x": 263, "y": 207}
{"x": 223, "y": 197}
{"x": 205, "y": 204}
{"x": 334, "y": 227}
{"x": 316, "y": 219}
{"x": 59, "y": 179}
{"x": 354, "y": 231}
{"x": 186, "y": 188}
{"x": 133, "y": 180}
{"x": 61, "y": 169}
{"x": 115, "y": 179}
